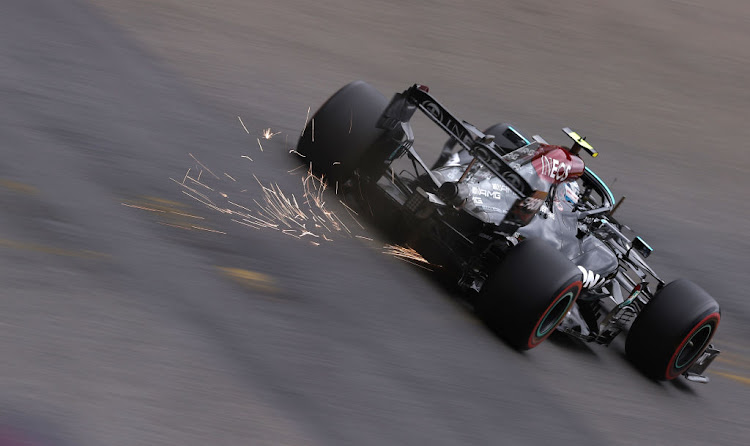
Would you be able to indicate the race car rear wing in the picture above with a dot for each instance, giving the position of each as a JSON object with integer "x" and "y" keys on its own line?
{"x": 402, "y": 107}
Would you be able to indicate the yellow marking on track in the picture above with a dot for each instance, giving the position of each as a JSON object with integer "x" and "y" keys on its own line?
{"x": 252, "y": 279}
{"x": 738, "y": 378}
{"x": 51, "y": 249}
{"x": 15, "y": 186}
{"x": 733, "y": 360}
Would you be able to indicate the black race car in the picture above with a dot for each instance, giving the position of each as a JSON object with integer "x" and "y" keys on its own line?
{"x": 521, "y": 226}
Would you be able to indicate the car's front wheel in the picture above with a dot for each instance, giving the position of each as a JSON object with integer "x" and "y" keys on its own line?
{"x": 673, "y": 330}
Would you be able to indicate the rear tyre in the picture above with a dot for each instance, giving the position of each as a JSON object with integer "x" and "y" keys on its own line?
{"x": 529, "y": 293}
{"x": 340, "y": 133}
{"x": 673, "y": 330}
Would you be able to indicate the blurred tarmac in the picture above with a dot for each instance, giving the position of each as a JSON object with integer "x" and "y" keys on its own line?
{"x": 133, "y": 314}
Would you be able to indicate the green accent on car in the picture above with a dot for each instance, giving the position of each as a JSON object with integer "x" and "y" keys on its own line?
{"x": 545, "y": 324}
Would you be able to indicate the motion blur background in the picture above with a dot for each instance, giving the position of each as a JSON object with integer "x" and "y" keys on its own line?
{"x": 124, "y": 321}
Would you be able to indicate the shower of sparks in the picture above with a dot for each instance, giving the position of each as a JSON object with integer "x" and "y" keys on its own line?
{"x": 182, "y": 214}
{"x": 169, "y": 215}
{"x": 348, "y": 208}
{"x": 243, "y": 125}
{"x": 303, "y": 215}
{"x": 408, "y": 255}
{"x": 267, "y": 134}
{"x": 198, "y": 182}
{"x": 209, "y": 170}
{"x": 306, "y": 119}
{"x": 351, "y": 212}
{"x": 207, "y": 229}
{"x": 142, "y": 208}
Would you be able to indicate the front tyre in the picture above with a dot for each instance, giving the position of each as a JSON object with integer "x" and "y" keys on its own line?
{"x": 529, "y": 293}
{"x": 673, "y": 330}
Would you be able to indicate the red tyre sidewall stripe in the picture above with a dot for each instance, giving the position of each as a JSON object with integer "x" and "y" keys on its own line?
{"x": 669, "y": 372}
{"x": 531, "y": 343}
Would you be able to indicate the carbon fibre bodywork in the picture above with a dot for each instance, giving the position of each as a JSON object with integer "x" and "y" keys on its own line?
{"x": 489, "y": 191}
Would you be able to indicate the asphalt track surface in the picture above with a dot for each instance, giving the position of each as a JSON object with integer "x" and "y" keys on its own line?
{"x": 133, "y": 314}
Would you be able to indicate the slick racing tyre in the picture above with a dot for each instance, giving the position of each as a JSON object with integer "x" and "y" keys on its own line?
{"x": 529, "y": 293}
{"x": 340, "y": 133}
{"x": 672, "y": 330}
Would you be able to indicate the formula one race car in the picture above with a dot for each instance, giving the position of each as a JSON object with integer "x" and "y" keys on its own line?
{"x": 523, "y": 228}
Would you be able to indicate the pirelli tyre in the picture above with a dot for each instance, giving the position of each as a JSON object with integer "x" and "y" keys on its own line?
{"x": 341, "y": 131}
{"x": 529, "y": 293}
{"x": 672, "y": 330}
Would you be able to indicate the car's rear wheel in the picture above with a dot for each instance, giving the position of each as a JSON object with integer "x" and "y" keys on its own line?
{"x": 529, "y": 293}
{"x": 673, "y": 330}
{"x": 341, "y": 131}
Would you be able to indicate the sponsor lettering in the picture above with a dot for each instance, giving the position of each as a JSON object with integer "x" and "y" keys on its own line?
{"x": 590, "y": 279}
{"x": 486, "y": 193}
{"x": 433, "y": 109}
{"x": 554, "y": 168}
{"x": 450, "y": 123}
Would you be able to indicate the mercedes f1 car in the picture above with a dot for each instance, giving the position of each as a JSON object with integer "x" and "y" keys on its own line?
{"x": 524, "y": 229}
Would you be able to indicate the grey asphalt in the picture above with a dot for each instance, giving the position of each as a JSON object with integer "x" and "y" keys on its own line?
{"x": 119, "y": 326}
